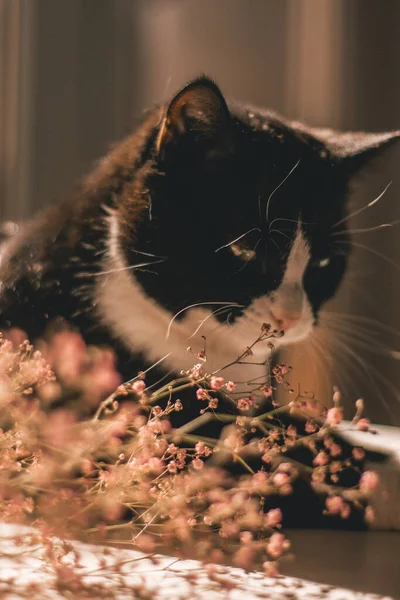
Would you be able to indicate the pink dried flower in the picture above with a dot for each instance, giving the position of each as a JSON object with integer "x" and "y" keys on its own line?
{"x": 172, "y": 466}
{"x": 213, "y": 403}
{"x": 358, "y": 453}
{"x": 217, "y": 382}
{"x": 360, "y": 404}
{"x": 244, "y": 404}
{"x": 334, "y": 416}
{"x": 369, "y": 515}
{"x": 138, "y": 386}
{"x": 246, "y": 537}
{"x": 334, "y": 505}
{"x": 230, "y": 386}
{"x": 197, "y": 371}
{"x": 346, "y": 511}
{"x": 368, "y": 481}
{"x": 247, "y": 352}
{"x": 178, "y": 405}
{"x": 259, "y": 479}
{"x": 202, "y": 449}
{"x": 276, "y": 545}
{"x": 273, "y": 517}
{"x": 363, "y": 424}
{"x": 321, "y": 459}
{"x": 271, "y": 568}
{"x": 197, "y": 464}
{"x": 291, "y": 431}
{"x": 335, "y": 450}
{"x": 202, "y": 394}
{"x": 267, "y": 390}
{"x": 310, "y": 427}
{"x": 280, "y": 479}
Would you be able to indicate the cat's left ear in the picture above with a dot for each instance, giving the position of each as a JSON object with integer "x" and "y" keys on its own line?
{"x": 198, "y": 121}
{"x": 355, "y": 149}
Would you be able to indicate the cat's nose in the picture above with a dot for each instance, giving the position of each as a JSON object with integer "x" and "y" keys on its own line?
{"x": 286, "y": 322}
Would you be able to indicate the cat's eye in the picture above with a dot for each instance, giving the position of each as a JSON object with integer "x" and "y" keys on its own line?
{"x": 323, "y": 262}
{"x": 243, "y": 253}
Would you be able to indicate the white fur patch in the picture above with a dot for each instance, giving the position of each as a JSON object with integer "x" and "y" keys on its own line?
{"x": 145, "y": 326}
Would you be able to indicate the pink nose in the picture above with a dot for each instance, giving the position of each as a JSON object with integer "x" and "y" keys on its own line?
{"x": 287, "y": 322}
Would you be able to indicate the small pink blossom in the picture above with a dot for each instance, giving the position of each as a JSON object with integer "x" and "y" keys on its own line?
{"x": 244, "y": 404}
{"x": 138, "y": 386}
{"x": 172, "y": 466}
{"x": 178, "y": 405}
{"x": 259, "y": 479}
{"x": 197, "y": 371}
{"x": 310, "y": 427}
{"x": 335, "y": 450}
{"x": 276, "y": 545}
{"x": 230, "y": 386}
{"x": 369, "y": 515}
{"x": 202, "y": 394}
{"x": 368, "y": 481}
{"x": 197, "y": 464}
{"x": 345, "y": 511}
{"x": 247, "y": 352}
{"x": 358, "y": 453}
{"x": 321, "y": 459}
{"x": 273, "y": 518}
{"x": 267, "y": 390}
{"x": 246, "y": 537}
{"x": 213, "y": 403}
{"x": 280, "y": 479}
{"x": 334, "y": 505}
{"x": 363, "y": 424}
{"x": 270, "y": 568}
{"x": 334, "y": 416}
{"x": 217, "y": 382}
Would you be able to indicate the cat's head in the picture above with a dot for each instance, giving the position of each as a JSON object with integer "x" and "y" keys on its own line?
{"x": 248, "y": 209}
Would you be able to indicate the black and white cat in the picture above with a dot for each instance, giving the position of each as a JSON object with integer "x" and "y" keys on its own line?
{"x": 208, "y": 220}
{"x": 229, "y": 210}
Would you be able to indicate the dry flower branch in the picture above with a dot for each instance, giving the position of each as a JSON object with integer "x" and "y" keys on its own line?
{"x": 84, "y": 455}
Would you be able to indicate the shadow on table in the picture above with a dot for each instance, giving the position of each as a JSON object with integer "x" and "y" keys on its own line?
{"x": 359, "y": 560}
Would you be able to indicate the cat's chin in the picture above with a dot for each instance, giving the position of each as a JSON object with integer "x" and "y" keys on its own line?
{"x": 301, "y": 331}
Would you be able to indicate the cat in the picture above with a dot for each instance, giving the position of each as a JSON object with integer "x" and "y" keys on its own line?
{"x": 209, "y": 220}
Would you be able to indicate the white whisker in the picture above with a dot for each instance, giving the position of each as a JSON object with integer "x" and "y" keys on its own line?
{"x": 366, "y": 229}
{"x": 227, "y": 304}
{"x": 281, "y": 232}
{"x": 368, "y": 320}
{"x": 238, "y": 238}
{"x": 278, "y": 186}
{"x": 119, "y": 269}
{"x": 350, "y": 353}
{"x": 146, "y": 253}
{"x": 289, "y": 221}
{"x": 215, "y": 312}
{"x": 375, "y": 252}
{"x": 360, "y": 210}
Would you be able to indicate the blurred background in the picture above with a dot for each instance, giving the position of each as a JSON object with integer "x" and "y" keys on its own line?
{"x": 75, "y": 76}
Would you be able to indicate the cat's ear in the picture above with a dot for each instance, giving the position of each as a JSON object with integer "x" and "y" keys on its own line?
{"x": 197, "y": 121}
{"x": 355, "y": 149}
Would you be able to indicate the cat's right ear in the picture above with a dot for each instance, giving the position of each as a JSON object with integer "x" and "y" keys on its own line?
{"x": 197, "y": 123}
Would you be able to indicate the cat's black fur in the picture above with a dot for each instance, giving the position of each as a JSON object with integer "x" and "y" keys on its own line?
{"x": 194, "y": 176}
